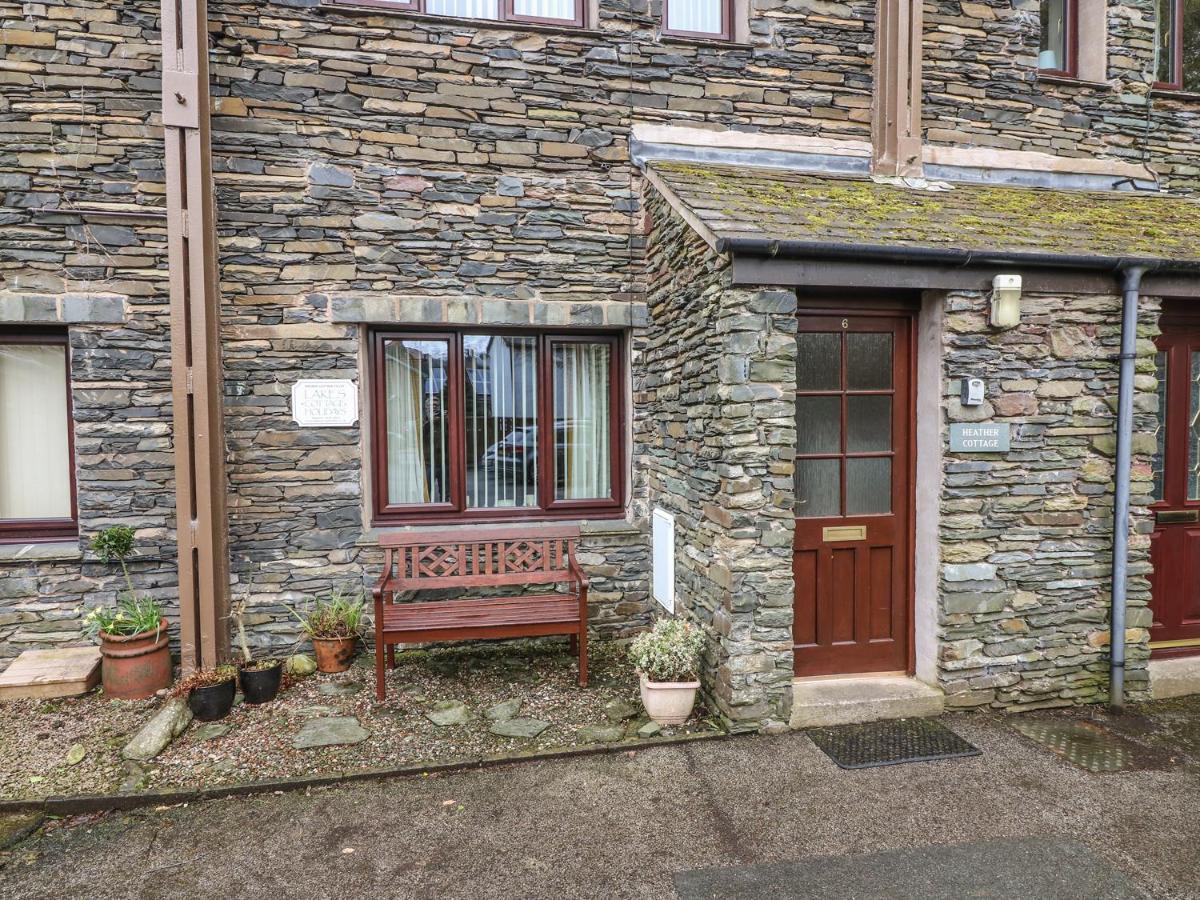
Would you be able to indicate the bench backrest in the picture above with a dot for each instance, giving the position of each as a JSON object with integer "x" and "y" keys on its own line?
{"x": 419, "y": 560}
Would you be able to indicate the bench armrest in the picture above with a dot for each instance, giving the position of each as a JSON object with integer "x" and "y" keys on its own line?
{"x": 577, "y": 572}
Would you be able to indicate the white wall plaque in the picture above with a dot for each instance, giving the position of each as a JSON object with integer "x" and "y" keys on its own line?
{"x": 324, "y": 403}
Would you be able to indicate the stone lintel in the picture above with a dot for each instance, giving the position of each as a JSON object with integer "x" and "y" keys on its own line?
{"x": 441, "y": 310}
{"x": 62, "y": 309}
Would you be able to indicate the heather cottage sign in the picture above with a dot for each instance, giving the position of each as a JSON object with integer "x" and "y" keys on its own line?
{"x": 979, "y": 437}
{"x": 324, "y": 403}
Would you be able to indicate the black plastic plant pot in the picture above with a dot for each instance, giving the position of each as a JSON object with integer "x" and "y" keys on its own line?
{"x": 212, "y": 701}
{"x": 261, "y": 685}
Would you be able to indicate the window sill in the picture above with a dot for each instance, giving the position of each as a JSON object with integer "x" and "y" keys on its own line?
{"x": 587, "y": 528}
{"x": 1072, "y": 81}
{"x": 715, "y": 43}
{"x": 55, "y": 551}
{"x": 349, "y": 6}
{"x": 1181, "y": 96}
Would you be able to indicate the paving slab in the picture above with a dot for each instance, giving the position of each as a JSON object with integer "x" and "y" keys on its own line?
{"x": 330, "y": 732}
{"x": 64, "y": 672}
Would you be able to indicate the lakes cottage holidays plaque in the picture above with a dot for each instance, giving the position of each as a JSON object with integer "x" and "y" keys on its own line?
{"x": 324, "y": 403}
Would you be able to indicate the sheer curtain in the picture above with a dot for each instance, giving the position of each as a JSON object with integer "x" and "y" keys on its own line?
{"x": 35, "y": 459}
{"x": 582, "y": 420}
{"x": 699, "y": 16}
{"x": 467, "y": 9}
{"x": 418, "y": 460}
{"x": 545, "y": 9}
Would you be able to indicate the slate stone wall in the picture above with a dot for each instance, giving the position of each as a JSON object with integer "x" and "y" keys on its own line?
{"x": 716, "y": 444}
{"x": 981, "y": 89}
{"x": 1026, "y": 536}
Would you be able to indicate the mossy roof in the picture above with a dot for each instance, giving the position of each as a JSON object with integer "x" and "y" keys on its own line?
{"x": 777, "y": 205}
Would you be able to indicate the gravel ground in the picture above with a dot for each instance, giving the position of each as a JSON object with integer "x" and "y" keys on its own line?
{"x": 626, "y": 824}
{"x": 36, "y": 736}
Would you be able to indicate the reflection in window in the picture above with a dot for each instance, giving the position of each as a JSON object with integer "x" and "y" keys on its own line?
{"x": 1179, "y": 44}
{"x": 501, "y": 420}
{"x": 1160, "y": 426}
{"x": 697, "y": 17}
{"x": 1055, "y": 50}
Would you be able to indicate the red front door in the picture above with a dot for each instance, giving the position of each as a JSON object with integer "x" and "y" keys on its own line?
{"x": 852, "y": 554}
{"x": 1175, "y": 543}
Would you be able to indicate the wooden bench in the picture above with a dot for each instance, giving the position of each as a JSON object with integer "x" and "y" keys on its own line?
{"x": 472, "y": 559}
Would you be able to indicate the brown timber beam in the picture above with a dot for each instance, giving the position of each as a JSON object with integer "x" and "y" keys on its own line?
{"x": 896, "y": 108}
{"x": 195, "y": 337}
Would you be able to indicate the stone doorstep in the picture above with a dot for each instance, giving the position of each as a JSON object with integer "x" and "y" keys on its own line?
{"x": 1174, "y": 677}
{"x": 861, "y": 698}
{"x": 67, "y": 672}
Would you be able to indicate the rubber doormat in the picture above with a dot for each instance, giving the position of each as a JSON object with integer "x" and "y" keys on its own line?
{"x": 890, "y": 743}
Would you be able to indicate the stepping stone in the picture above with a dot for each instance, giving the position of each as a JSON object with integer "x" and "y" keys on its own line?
{"x": 449, "y": 712}
{"x": 619, "y": 710}
{"x": 649, "y": 730}
{"x": 75, "y": 755}
{"x": 67, "y": 672}
{"x": 339, "y": 688}
{"x": 330, "y": 732}
{"x": 211, "y": 731}
{"x": 600, "y": 734}
{"x": 316, "y": 712}
{"x": 506, "y": 709}
{"x": 519, "y": 728}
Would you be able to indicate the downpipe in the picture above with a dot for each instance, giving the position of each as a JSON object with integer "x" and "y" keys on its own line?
{"x": 1131, "y": 282}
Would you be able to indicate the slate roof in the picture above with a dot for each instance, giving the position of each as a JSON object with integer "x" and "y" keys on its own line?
{"x": 777, "y": 205}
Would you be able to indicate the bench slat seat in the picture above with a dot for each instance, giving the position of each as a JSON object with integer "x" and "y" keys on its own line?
{"x": 508, "y": 557}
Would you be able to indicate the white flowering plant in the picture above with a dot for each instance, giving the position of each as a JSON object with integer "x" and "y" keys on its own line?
{"x": 670, "y": 651}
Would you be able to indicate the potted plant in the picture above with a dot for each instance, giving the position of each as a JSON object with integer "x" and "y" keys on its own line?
{"x": 209, "y": 692}
{"x": 260, "y": 678}
{"x": 334, "y": 624}
{"x": 133, "y": 634}
{"x": 667, "y": 659}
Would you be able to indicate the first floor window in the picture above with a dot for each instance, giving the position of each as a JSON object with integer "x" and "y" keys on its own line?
{"x": 1057, "y": 52}
{"x": 551, "y": 12}
{"x": 1179, "y": 45}
{"x": 698, "y": 18}
{"x": 37, "y": 494}
{"x": 486, "y": 425}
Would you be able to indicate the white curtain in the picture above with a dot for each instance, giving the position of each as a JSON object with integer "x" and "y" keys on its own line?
{"x": 545, "y": 9}
{"x": 582, "y": 403}
{"x": 700, "y": 16}
{"x": 35, "y": 461}
{"x": 416, "y": 474}
{"x": 466, "y": 9}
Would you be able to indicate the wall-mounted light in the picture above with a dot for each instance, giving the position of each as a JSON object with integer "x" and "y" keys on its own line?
{"x": 1006, "y": 301}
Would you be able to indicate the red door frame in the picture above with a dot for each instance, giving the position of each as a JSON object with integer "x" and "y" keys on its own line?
{"x": 887, "y": 306}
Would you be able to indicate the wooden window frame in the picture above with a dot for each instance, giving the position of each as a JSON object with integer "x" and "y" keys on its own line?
{"x": 504, "y": 8}
{"x": 49, "y": 529}
{"x": 1071, "y": 32}
{"x": 726, "y": 33}
{"x": 456, "y": 510}
{"x": 1176, "y": 51}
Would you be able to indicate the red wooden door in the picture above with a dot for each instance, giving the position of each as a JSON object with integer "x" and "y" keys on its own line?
{"x": 1175, "y": 542}
{"x": 852, "y": 556}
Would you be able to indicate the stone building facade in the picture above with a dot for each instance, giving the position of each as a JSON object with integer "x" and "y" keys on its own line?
{"x": 379, "y": 168}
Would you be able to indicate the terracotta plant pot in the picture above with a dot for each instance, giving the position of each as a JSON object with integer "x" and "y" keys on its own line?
{"x": 136, "y": 666}
{"x": 669, "y": 702}
{"x": 334, "y": 654}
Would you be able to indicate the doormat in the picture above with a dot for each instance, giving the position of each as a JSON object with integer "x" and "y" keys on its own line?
{"x": 890, "y": 743}
{"x": 1085, "y": 744}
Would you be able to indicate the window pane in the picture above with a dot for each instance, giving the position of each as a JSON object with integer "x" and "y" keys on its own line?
{"x": 1053, "y": 48}
{"x": 35, "y": 458}
{"x": 1165, "y": 17}
{"x": 1191, "y": 45}
{"x": 818, "y": 361}
{"x": 581, "y": 421}
{"x": 700, "y": 16}
{"x": 817, "y": 488}
{"x": 500, "y": 433}
{"x": 869, "y": 425}
{"x": 868, "y": 361}
{"x": 1160, "y": 426}
{"x": 868, "y": 485}
{"x": 818, "y": 425}
{"x": 467, "y": 9}
{"x": 418, "y": 453}
{"x": 545, "y": 9}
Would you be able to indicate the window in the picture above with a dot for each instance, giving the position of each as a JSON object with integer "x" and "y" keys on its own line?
{"x": 698, "y": 18}
{"x": 37, "y": 484}
{"x": 487, "y": 425}
{"x": 1179, "y": 45}
{"x": 1059, "y": 49}
{"x": 550, "y": 12}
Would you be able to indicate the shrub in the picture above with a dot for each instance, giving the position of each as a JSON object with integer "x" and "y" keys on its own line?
{"x": 340, "y": 615}
{"x": 670, "y": 651}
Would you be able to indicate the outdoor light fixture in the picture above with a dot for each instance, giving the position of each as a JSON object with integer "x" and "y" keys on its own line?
{"x": 1006, "y": 301}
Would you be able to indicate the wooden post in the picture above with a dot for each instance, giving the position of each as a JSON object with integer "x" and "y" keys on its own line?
{"x": 195, "y": 337}
{"x": 896, "y": 108}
